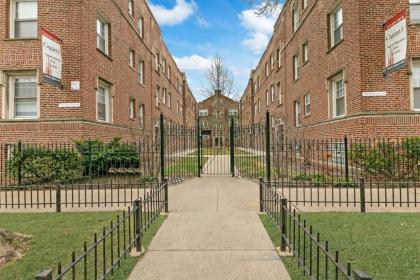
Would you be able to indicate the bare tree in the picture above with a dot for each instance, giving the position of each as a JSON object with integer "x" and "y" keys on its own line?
{"x": 265, "y": 7}
{"x": 219, "y": 78}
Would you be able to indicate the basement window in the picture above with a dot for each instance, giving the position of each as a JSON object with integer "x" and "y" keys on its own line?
{"x": 23, "y": 19}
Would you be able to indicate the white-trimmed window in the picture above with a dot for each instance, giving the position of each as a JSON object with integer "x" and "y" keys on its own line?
{"x": 177, "y": 107}
{"x": 164, "y": 65}
{"x": 131, "y": 58}
{"x": 157, "y": 61}
{"x": 259, "y": 105}
{"x": 295, "y": 20}
{"x": 203, "y": 113}
{"x": 131, "y": 7}
{"x": 305, "y": 4}
{"x": 23, "y": 18}
{"x": 305, "y": 52}
{"x": 267, "y": 97}
{"x": 141, "y": 115}
{"x": 170, "y": 100}
{"x": 278, "y": 57}
{"x": 336, "y": 26}
{"x": 102, "y": 35}
{"x": 297, "y": 113}
{"x": 296, "y": 67}
{"x": 307, "y": 104}
{"x": 157, "y": 97}
{"x": 233, "y": 112}
{"x": 140, "y": 26}
{"x": 140, "y": 71}
{"x": 267, "y": 70}
{"x": 169, "y": 72}
{"x": 416, "y": 84}
{"x": 273, "y": 93}
{"x": 164, "y": 96}
{"x": 23, "y": 96}
{"x": 338, "y": 96}
{"x": 279, "y": 92}
{"x": 103, "y": 107}
{"x": 131, "y": 109}
{"x": 338, "y": 153}
{"x": 415, "y": 11}
{"x": 272, "y": 62}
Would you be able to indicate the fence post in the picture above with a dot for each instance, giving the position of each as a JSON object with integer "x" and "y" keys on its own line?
{"x": 360, "y": 275}
{"x": 362, "y": 195}
{"x": 137, "y": 206}
{"x": 267, "y": 146}
{"x": 162, "y": 149}
{"x": 19, "y": 175}
{"x": 58, "y": 196}
{"x": 283, "y": 233}
{"x": 232, "y": 147}
{"x": 198, "y": 148}
{"x": 261, "y": 196}
{"x": 90, "y": 161}
{"x": 166, "y": 195}
{"x": 346, "y": 158}
{"x": 45, "y": 275}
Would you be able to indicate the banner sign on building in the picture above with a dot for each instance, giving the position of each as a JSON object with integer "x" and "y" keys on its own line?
{"x": 396, "y": 42}
{"x": 51, "y": 56}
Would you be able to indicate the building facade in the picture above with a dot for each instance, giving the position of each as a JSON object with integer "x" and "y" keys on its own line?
{"x": 85, "y": 69}
{"x": 335, "y": 68}
{"x": 215, "y": 115}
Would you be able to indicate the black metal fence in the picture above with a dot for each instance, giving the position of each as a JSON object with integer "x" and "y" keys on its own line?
{"x": 100, "y": 258}
{"x": 314, "y": 257}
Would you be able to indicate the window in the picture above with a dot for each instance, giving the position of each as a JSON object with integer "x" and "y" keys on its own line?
{"x": 164, "y": 65}
{"x": 416, "y": 84}
{"x": 23, "y": 18}
{"x": 336, "y": 26}
{"x": 267, "y": 97}
{"x": 307, "y": 104}
{"x": 255, "y": 108}
{"x": 295, "y": 18}
{"x": 131, "y": 58}
{"x": 164, "y": 96}
{"x": 233, "y": 112}
{"x": 338, "y": 96}
{"x": 169, "y": 100}
{"x": 203, "y": 113}
{"x": 267, "y": 71}
{"x": 415, "y": 11}
{"x": 102, "y": 33}
{"x": 297, "y": 113}
{"x": 103, "y": 102}
{"x": 140, "y": 26}
{"x": 177, "y": 107}
{"x": 304, "y": 4}
{"x": 296, "y": 67}
{"x": 305, "y": 52}
{"x": 272, "y": 62}
{"x": 259, "y": 105}
{"x": 131, "y": 106}
{"x": 157, "y": 61}
{"x": 278, "y": 58}
{"x": 169, "y": 72}
{"x": 23, "y": 97}
{"x": 338, "y": 153}
{"x": 279, "y": 93}
{"x": 157, "y": 97}
{"x": 141, "y": 115}
{"x": 273, "y": 93}
{"x": 140, "y": 71}
{"x": 131, "y": 7}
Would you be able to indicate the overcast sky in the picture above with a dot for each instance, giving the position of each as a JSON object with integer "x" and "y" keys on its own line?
{"x": 195, "y": 30}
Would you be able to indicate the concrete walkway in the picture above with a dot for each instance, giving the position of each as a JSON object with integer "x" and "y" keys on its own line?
{"x": 213, "y": 232}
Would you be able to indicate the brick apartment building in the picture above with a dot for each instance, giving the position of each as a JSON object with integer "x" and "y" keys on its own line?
{"x": 335, "y": 68}
{"x": 215, "y": 115}
{"x": 86, "y": 69}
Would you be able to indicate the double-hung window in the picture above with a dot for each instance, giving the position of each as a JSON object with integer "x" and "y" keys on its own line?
{"x": 273, "y": 93}
{"x": 141, "y": 115}
{"x": 140, "y": 26}
{"x": 103, "y": 102}
{"x": 131, "y": 7}
{"x": 336, "y": 26}
{"x": 305, "y": 52}
{"x": 131, "y": 110}
{"x": 267, "y": 98}
{"x": 131, "y": 58}
{"x": 23, "y": 18}
{"x": 296, "y": 19}
{"x": 140, "y": 71}
{"x": 338, "y": 96}
{"x": 297, "y": 113}
{"x": 23, "y": 97}
{"x": 296, "y": 67}
{"x": 164, "y": 96}
{"x": 102, "y": 35}
{"x": 415, "y": 11}
{"x": 307, "y": 104}
{"x": 157, "y": 97}
{"x": 416, "y": 84}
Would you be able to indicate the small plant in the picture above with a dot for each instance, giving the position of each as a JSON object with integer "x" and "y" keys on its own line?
{"x": 318, "y": 179}
{"x": 342, "y": 183}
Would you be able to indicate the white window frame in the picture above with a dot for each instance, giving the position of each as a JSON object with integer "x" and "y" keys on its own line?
{"x": 108, "y": 102}
{"x": 233, "y": 112}
{"x": 414, "y": 5}
{"x": 333, "y": 96}
{"x": 140, "y": 71}
{"x": 141, "y": 115}
{"x": 131, "y": 108}
{"x": 415, "y": 81}
{"x": 131, "y": 8}
{"x": 307, "y": 99}
{"x": 140, "y": 26}
{"x": 305, "y": 4}
{"x": 164, "y": 96}
{"x": 106, "y": 34}
{"x": 279, "y": 92}
{"x": 296, "y": 66}
{"x": 13, "y": 19}
{"x": 9, "y": 96}
{"x": 267, "y": 70}
{"x": 273, "y": 93}
{"x": 305, "y": 52}
{"x": 333, "y": 28}
{"x": 157, "y": 97}
{"x": 203, "y": 112}
{"x": 132, "y": 58}
{"x": 295, "y": 19}
{"x": 267, "y": 97}
{"x": 297, "y": 114}
{"x": 169, "y": 100}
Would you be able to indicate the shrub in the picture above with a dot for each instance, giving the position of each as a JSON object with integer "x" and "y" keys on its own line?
{"x": 318, "y": 179}
{"x": 46, "y": 165}
{"x": 99, "y": 158}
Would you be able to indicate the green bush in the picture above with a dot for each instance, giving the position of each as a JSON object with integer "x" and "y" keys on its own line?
{"x": 314, "y": 178}
{"x": 45, "y": 165}
{"x": 99, "y": 158}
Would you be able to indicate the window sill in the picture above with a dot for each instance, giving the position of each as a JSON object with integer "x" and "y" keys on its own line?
{"x": 142, "y": 84}
{"x": 335, "y": 46}
{"x": 132, "y": 68}
{"x": 338, "y": 117}
{"x": 104, "y": 54}
{"x": 21, "y": 119}
{"x": 102, "y": 121}
{"x": 307, "y": 115}
{"x": 21, "y": 39}
{"x": 295, "y": 81}
{"x": 306, "y": 62}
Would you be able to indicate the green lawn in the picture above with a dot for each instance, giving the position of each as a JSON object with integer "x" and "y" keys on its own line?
{"x": 253, "y": 166}
{"x": 55, "y": 236}
{"x": 184, "y": 167}
{"x": 386, "y": 246}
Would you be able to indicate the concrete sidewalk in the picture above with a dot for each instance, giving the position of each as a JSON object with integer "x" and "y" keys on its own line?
{"x": 213, "y": 232}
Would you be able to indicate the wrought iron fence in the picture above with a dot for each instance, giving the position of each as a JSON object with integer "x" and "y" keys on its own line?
{"x": 313, "y": 256}
{"x": 99, "y": 259}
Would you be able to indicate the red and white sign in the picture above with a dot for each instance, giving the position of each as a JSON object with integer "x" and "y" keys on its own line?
{"x": 51, "y": 56}
{"x": 396, "y": 40}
